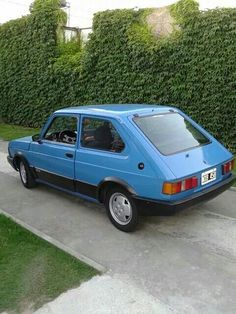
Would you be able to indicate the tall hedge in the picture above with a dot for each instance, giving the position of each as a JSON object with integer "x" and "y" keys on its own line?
{"x": 194, "y": 68}
{"x": 27, "y": 52}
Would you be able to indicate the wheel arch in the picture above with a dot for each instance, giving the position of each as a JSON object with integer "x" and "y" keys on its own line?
{"x": 16, "y": 159}
{"x": 109, "y": 182}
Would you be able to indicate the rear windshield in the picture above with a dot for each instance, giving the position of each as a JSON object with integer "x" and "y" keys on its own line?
{"x": 170, "y": 132}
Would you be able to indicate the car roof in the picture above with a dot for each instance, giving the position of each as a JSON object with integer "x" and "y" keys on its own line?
{"x": 116, "y": 110}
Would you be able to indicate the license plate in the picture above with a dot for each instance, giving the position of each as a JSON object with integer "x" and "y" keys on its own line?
{"x": 208, "y": 176}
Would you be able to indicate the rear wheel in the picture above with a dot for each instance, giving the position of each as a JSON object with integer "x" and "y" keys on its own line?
{"x": 26, "y": 175}
{"x": 121, "y": 209}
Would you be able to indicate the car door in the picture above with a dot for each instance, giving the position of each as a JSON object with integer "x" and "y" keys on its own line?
{"x": 53, "y": 156}
{"x": 101, "y": 153}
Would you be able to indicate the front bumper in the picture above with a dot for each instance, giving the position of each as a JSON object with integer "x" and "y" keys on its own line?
{"x": 165, "y": 208}
{"x": 11, "y": 162}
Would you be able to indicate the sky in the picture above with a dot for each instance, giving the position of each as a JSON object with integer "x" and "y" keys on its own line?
{"x": 81, "y": 11}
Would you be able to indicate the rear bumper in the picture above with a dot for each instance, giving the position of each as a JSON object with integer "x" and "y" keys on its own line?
{"x": 154, "y": 207}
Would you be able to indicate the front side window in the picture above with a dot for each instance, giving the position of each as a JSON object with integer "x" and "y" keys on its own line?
{"x": 63, "y": 129}
{"x": 170, "y": 132}
{"x": 101, "y": 134}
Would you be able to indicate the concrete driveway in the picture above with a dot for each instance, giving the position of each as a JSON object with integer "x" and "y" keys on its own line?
{"x": 187, "y": 261}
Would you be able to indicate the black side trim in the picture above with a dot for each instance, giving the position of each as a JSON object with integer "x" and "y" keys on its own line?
{"x": 66, "y": 183}
{"x": 55, "y": 179}
{"x": 86, "y": 189}
{"x": 154, "y": 207}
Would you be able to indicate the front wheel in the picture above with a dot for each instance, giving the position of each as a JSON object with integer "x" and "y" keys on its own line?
{"x": 26, "y": 175}
{"x": 121, "y": 209}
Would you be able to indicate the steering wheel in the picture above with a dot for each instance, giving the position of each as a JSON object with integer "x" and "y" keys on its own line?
{"x": 67, "y": 136}
{"x": 52, "y": 137}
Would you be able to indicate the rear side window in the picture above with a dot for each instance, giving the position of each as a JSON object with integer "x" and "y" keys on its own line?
{"x": 170, "y": 132}
{"x": 101, "y": 134}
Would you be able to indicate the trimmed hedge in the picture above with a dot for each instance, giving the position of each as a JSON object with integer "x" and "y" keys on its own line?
{"x": 193, "y": 68}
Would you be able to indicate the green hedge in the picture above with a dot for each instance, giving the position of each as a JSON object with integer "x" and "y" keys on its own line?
{"x": 194, "y": 68}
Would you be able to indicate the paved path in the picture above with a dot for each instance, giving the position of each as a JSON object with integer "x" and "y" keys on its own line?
{"x": 105, "y": 295}
{"x": 187, "y": 261}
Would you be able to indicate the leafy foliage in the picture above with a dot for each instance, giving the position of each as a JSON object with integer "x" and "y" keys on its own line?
{"x": 184, "y": 11}
{"x": 123, "y": 62}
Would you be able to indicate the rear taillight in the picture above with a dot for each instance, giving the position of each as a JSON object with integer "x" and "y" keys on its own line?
{"x": 180, "y": 186}
{"x": 229, "y": 166}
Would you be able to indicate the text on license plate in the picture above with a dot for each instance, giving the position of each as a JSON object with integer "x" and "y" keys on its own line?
{"x": 208, "y": 176}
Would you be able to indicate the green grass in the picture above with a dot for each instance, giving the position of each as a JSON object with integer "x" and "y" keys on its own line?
{"x": 10, "y": 132}
{"x": 32, "y": 271}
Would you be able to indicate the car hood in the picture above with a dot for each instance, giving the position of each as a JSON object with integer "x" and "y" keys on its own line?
{"x": 21, "y": 143}
{"x": 197, "y": 159}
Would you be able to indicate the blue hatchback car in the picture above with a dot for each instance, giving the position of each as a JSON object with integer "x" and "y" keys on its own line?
{"x": 135, "y": 159}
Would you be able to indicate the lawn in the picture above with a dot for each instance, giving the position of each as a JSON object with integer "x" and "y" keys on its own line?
{"x": 9, "y": 132}
{"x": 32, "y": 271}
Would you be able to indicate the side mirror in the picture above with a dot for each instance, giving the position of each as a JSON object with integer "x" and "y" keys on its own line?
{"x": 36, "y": 138}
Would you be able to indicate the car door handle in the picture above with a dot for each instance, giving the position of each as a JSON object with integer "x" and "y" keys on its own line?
{"x": 69, "y": 155}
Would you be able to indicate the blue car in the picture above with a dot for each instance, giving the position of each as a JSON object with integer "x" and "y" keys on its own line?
{"x": 135, "y": 159}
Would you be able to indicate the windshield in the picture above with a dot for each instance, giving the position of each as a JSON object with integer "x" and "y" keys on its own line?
{"x": 170, "y": 132}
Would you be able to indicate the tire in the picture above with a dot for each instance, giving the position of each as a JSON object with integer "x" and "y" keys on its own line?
{"x": 117, "y": 201}
{"x": 26, "y": 175}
